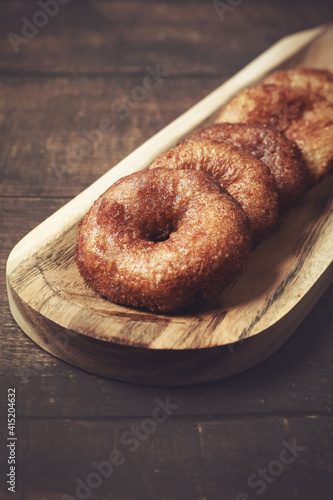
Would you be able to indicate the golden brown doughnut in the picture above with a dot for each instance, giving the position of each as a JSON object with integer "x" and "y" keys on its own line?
{"x": 265, "y": 143}
{"x": 163, "y": 239}
{"x": 306, "y": 80}
{"x": 247, "y": 179}
{"x": 297, "y": 102}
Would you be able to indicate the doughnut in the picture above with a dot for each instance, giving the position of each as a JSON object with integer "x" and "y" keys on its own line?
{"x": 298, "y": 103}
{"x": 306, "y": 80}
{"x": 162, "y": 239}
{"x": 247, "y": 179}
{"x": 265, "y": 143}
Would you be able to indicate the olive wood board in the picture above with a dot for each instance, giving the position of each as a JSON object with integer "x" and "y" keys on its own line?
{"x": 285, "y": 277}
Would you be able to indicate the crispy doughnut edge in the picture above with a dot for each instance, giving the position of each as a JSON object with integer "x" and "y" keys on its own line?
{"x": 247, "y": 179}
{"x": 298, "y": 103}
{"x": 207, "y": 248}
{"x": 282, "y": 156}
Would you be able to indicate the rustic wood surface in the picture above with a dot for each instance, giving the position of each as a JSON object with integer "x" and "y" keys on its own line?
{"x": 62, "y": 82}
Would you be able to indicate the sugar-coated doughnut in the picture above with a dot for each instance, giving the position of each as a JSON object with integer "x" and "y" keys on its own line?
{"x": 282, "y": 156}
{"x": 162, "y": 239}
{"x": 298, "y": 103}
{"x": 247, "y": 179}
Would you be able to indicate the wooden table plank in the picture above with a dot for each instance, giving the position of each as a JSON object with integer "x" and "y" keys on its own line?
{"x": 58, "y": 135}
{"x": 185, "y": 37}
{"x": 177, "y": 459}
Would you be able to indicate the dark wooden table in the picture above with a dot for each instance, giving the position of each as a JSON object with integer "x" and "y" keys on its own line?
{"x": 263, "y": 434}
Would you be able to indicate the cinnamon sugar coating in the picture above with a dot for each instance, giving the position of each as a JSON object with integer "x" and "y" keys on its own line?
{"x": 247, "y": 179}
{"x": 162, "y": 239}
{"x": 298, "y": 103}
{"x": 282, "y": 156}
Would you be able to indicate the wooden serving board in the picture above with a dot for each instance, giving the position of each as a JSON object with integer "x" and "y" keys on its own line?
{"x": 285, "y": 276}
